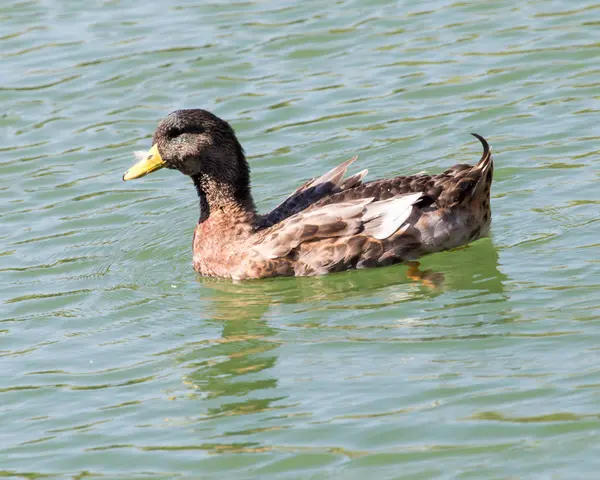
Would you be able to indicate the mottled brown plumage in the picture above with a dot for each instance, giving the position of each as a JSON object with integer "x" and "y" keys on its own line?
{"x": 330, "y": 223}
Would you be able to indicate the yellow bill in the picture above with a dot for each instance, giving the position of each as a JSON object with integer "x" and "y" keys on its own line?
{"x": 152, "y": 162}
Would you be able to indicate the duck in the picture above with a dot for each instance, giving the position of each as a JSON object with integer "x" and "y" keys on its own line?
{"x": 330, "y": 223}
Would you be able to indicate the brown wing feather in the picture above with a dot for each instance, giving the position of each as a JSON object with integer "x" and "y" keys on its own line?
{"x": 341, "y": 219}
{"x": 378, "y": 220}
{"x": 312, "y": 191}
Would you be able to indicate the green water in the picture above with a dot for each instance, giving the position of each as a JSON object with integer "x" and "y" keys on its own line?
{"x": 119, "y": 362}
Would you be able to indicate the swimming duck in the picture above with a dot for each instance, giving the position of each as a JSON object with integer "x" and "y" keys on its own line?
{"x": 328, "y": 224}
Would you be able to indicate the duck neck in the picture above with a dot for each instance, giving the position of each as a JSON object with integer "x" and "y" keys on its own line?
{"x": 220, "y": 200}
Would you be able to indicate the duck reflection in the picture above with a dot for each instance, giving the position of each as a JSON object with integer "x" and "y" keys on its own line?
{"x": 232, "y": 365}
{"x": 238, "y": 363}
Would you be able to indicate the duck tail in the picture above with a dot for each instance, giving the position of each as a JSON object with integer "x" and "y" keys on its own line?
{"x": 486, "y": 156}
{"x": 485, "y": 166}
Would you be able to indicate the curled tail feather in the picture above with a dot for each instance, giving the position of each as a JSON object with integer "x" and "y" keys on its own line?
{"x": 486, "y": 156}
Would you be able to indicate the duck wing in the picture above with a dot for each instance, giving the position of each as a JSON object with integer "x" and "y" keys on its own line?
{"x": 376, "y": 219}
{"x": 312, "y": 191}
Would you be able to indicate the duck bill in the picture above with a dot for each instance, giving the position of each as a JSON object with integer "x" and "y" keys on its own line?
{"x": 150, "y": 163}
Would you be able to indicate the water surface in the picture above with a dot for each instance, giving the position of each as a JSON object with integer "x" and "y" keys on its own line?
{"x": 119, "y": 362}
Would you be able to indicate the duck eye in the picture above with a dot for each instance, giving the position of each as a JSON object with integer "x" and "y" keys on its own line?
{"x": 174, "y": 132}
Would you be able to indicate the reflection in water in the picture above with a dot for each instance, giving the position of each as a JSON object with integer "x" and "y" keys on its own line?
{"x": 243, "y": 350}
{"x": 237, "y": 363}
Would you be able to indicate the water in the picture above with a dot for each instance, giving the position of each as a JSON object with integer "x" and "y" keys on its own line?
{"x": 119, "y": 362}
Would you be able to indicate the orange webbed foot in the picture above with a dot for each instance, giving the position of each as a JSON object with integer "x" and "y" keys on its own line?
{"x": 428, "y": 278}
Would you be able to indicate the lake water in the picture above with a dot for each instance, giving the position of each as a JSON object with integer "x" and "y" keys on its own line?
{"x": 118, "y": 361}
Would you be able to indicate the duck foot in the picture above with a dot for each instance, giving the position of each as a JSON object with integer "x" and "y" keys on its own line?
{"x": 429, "y": 278}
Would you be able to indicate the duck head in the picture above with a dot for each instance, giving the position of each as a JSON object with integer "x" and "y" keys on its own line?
{"x": 198, "y": 144}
